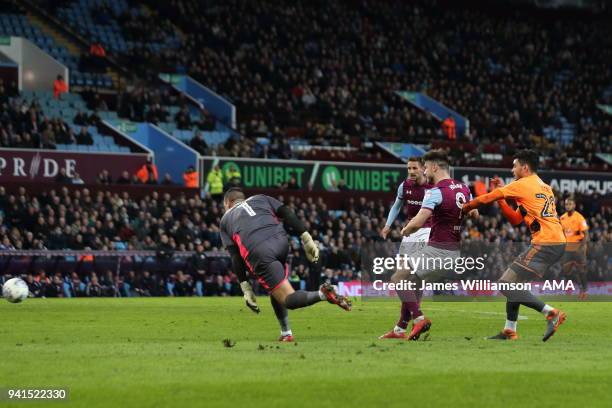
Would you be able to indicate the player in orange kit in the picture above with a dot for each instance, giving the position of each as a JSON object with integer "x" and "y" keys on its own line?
{"x": 577, "y": 235}
{"x": 536, "y": 207}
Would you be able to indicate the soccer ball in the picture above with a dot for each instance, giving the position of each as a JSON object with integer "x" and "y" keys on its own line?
{"x": 15, "y": 290}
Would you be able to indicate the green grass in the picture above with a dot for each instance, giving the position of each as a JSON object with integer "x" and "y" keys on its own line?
{"x": 169, "y": 352}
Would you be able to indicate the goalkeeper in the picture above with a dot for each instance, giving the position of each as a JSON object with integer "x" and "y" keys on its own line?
{"x": 253, "y": 231}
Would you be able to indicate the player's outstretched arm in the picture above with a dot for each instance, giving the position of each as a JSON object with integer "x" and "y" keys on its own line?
{"x": 290, "y": 219}
{"x": 512, "y": 215}
{"x": 239, "y": 268}
{"x": 395, "y": 209}
{"x": 481, "y": 200}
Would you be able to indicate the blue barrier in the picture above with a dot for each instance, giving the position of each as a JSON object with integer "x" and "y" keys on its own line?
{"x": 219, "y": 106}
{"x": 402, "y": 150}
{"x": 437, "y": 109}
{"x": 171, "y": 155}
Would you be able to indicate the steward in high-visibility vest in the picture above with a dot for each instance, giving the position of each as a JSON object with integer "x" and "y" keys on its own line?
{"x": 215, "y": 181}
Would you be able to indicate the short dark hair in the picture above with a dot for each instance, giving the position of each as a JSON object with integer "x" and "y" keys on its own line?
{"x": 234, "y": 194}
{"x": 416, "y": 159}
{"x": 437, "y": 156}
{"x": 529, "y": 157}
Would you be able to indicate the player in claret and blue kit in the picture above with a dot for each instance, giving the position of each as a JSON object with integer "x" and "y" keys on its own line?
{"x": 409, "y": 195}
{"x": 252, "y": 231}
{"x": 442, "y": 203}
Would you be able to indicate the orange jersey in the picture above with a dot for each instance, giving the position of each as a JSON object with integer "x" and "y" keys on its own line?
{"x": 536, "y": 203}
{"x": 574, "y": 227}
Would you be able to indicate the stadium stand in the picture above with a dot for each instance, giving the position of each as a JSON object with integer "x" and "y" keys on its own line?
{"x": 341, "y": 76}
{"x": 36, "y": 120}
{"x": 347, "y": 98}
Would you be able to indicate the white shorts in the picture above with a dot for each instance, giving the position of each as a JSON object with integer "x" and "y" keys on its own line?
{"x": 432, "y": 263}
{"x": 414, "y": 242}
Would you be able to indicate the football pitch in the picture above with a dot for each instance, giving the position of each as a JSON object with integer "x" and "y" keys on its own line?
{"x": 155, "y": 352}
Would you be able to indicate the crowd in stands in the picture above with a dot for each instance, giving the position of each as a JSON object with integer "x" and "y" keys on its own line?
{"x": 23, "y": 124}
{"x": 82, "y": 220}
{"x": 328, "y": 70}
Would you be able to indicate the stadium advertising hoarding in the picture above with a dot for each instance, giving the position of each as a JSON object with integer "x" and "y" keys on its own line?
{"x": 258, "y": 173}
{"x": 359, "y": 177}
{"x": 45, "y": 165}
{"x": 563, "y": 181}
{"x": 382, "y": 178}
{"x": 321, "y": 176}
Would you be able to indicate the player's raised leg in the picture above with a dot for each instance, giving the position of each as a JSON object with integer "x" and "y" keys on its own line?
{"x": 296, "y": 299}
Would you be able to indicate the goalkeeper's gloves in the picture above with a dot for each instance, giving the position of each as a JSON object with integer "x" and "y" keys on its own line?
{"x": 310, "y": 247}
{"x": 249, "y": 296}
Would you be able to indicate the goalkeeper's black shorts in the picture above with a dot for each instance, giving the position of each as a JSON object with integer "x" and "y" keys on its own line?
{"x": 268, "y": 262}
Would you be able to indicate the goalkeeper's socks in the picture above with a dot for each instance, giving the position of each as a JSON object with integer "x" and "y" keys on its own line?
{"x": 281, "y": 314}
{"x": 302, "y": 298}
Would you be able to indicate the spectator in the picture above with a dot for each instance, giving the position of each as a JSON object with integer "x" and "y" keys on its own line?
{"x": 84, "y": 137}
{"x": 191, "y": 178}
{"x": 450, "y": 128}
{"x": 146, "y": 286}
{"x": 198, "y": 143}
{"x": 94, "y": 289}
{"x": 104, "y": 177}
{"x": 81, "y": 119}
{"x": 59, "y": 87}
{"x": 124, "y": 178}
{"x": 167, "y": 181}
{"x": 198, "y": 265}
{"x": 48, "y": 138}
{"x": 183, "y": 285}
{"x": 148, "y": 172}
{"x": 480, "y": 188}
{"x": 292, "y": 184}
{"x": 76, "y": 179}
{"x": 62, "y": 177}
{"x": 54, "y": 288}
{"x": 182, "y": 119}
